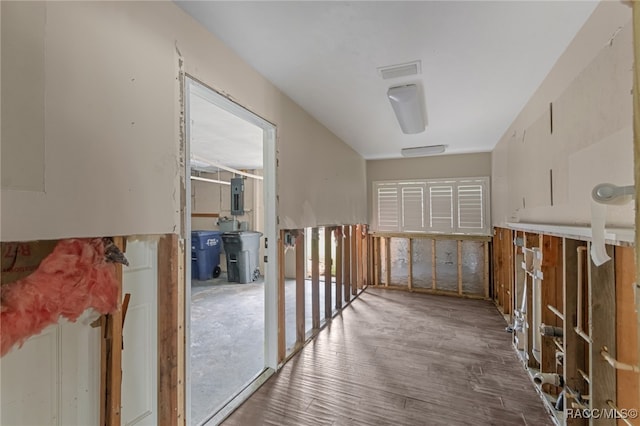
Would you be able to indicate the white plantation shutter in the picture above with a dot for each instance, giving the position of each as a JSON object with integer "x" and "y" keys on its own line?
{"x": 413, "y": 208}
{"x": 441, "y": 208}
{"x": 452, "y": 205}
{"x": 388, "y": 217}
{"x": 470, "y": 207}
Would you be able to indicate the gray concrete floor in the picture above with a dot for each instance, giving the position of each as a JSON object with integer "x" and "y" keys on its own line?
{"x": 227, "y": 338}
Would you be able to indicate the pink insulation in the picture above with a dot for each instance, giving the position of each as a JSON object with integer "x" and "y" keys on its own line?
{"x": 73, "y": 278}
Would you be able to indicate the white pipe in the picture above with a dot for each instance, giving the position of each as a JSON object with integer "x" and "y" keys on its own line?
{"x": 548, "y": 378}
{"x": 210, "y": 180}
{"x": 582, "y": 250}
{"x": 555, "y": 311}
{"x": 617, "y": 364}
{"x": 229, "y": 169}
{"x": 611, "y": 404}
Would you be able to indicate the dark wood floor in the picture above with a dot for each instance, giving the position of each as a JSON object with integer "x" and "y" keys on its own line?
{"x": 395, "y": 358}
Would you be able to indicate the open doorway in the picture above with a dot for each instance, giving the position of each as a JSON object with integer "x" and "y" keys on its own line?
{"x": 231, "y": 300}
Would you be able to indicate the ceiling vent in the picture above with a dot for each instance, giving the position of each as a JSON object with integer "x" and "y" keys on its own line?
{"x": 400, "y": 70}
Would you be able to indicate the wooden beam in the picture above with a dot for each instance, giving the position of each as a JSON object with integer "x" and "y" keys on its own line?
{"x": 170, "y": 331}
{"x": 431, "y": 236}
{"x": 339, "y": 296}
{"x": 530, "y": 240}
{"x": 282, "y": 332}
{"x": 378, "y": 259}
{"x": 628, "y": 389}
{"x": 459, "y": 267}
{"x": 360, "y": 251}
{"x": 315, "y": 279}
{"x": 602, "y": 329}
{"x": 552, "y": 279}
{"x": 433, "y": 266}
{"x": 486, "y": 270}
{"x": 347, "y": 263}
{"x": 574, "y": 346}
{"x": 410, "y": 277}
{"x": 354, "y": 260}
{"x": 636, "y": 146}
{"x": 328, "y": 263}
{"x": 387, "y": 259}
{"x": 300, "y": 284}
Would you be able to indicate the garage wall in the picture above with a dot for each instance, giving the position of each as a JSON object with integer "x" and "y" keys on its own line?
{"x": 106, "y": 158}
{"x": 546, "y": 164}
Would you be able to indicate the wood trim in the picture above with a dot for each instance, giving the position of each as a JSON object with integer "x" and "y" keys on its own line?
{"x": 170, "y": 332}
{"x": 327, "y": 272}
{"x": 315, "y": 279}
{"x": 300, "y": 283}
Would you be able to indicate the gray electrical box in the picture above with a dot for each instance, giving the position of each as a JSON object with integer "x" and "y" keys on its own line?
{"x": 237, "y": 196}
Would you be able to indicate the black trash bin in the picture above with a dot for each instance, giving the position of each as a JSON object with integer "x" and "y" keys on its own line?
{"x": 242, "y": 249}
{"x": 205, "y": 254}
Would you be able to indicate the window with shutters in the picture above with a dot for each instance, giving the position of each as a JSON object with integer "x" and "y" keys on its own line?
{"x": 451, "y": 206}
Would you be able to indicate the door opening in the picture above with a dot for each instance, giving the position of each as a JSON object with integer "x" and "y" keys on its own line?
{"x": 231, "y": 291}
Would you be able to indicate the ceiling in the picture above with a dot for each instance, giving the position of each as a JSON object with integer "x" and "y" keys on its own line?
{"x": 481, "y": 61}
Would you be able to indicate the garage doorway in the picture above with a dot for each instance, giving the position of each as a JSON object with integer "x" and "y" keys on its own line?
{"x": 231, "y": 302}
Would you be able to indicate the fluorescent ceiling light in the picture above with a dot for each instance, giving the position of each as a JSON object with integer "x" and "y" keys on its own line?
{"x": 421, "y": 151}
{"x": 407, "y": 105}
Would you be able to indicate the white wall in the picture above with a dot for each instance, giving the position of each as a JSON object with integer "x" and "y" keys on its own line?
{"x": 592, "y": 140}
{"x": 111, "y": 107}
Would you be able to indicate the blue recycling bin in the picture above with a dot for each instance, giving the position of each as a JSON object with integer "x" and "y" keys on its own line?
{"x": 205, "y": 254}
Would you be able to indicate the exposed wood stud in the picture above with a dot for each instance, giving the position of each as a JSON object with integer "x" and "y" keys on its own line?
{"x": 378, "y": 260}
{"x": 338, "y": 235}
{"x": 315, "y": 279}
{"x": 354, "y": 260}
{"x": 346, "y": 265}
{"x": 602, "y": 327}
{"x": 486, "y": 270}
{"x": 433, "y": 265}
{"x": 410, "y": 273}
{"x": 459, "y": 267}
{"x": 328, "y": 264}
{"x": 387, "y": 259}
{"x": 300, "y": 284}
{"x": 170, "y": 331}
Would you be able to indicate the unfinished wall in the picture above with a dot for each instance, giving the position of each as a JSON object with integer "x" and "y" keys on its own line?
{"x": 111, "y": 125}
{"x": 442, "y": 166}
{"x": 546, "y": 164}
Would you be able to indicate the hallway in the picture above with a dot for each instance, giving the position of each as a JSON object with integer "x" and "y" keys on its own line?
{"x": 402, "y": 359}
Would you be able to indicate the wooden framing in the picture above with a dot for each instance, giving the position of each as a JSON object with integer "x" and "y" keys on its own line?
{"x": 300, "y": 283}
{"x": 387, "y": 260}
{"x": 111, "y": 356}
{"x": 485, "y": 281}
{"x": 602, "y": 329}
{"x": 360, "y": 257}
{"x": 327, "y": 272}
{"x": 433, "y": 266}
{"x": 628, "y": 387}
{"x": 170, "y": 333}
{"x": 574, "y": 346}
{"x": 339, "y": 295}
{"x": 530, "y": 241}
{"x": 354, "y": 260}
{"x": 459, "y": 268}
{"x": 410, "y": 273}
{"x": 346, "y": 264}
